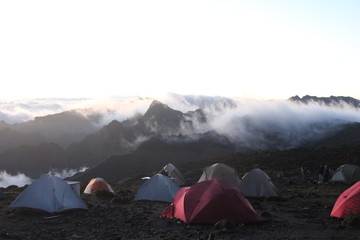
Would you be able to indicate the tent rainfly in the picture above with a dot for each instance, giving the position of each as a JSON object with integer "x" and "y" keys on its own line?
{"x": 75, "y": 186}
{"x": 210, "y": 201}
{"x": 49, "y": 193}
{"x": 348, "y": 202}
{"x": 348, "y": 173}
{"x": 97, "y": 184}
{"x": 220, "y": 172}
{"x": 171, "y": 171}
{"x": 158, "y": 188}
{"x": 257, "y": 183}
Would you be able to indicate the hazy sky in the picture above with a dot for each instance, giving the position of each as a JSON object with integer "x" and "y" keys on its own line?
{"x": 255, "y": 48}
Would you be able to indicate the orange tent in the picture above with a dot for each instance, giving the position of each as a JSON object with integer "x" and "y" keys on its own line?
{"x": 97, "y": 184}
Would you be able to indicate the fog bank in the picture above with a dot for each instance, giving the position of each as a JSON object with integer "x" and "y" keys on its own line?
{"x": 249, "y": 123}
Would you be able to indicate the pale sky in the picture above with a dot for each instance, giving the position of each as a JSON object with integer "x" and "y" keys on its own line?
{"x": 255, "y": 48}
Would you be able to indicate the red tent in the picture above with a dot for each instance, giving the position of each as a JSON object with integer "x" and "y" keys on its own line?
{"x": 209, "y": 202}
{"x": 348, "y": 202}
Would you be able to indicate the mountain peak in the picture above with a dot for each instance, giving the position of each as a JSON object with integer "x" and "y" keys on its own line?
{"x": 158, "y": 109}
{"x": 157, "y": 102}
{"x": 157, "y": 105}
{"x": 161, "y": 116}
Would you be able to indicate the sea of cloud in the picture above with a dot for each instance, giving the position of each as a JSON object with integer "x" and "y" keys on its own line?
{"x": 17, "y": 111}
{"x": 246, "y": 122}
{"x": 263, "y": 124}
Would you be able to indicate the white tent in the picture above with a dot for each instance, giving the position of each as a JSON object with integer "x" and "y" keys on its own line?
{"x": 348, "y": 173}
{"x": 173, "y": 172}
{"x": 158, "y": 188}
{"x": 49, "y": 193}
{"x": 220, "y": 172}
{"x": 257, "y": 183}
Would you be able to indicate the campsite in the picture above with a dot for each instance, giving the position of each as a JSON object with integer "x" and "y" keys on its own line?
{"x": 180, "y": 120}
{"x": 302, "y": 210}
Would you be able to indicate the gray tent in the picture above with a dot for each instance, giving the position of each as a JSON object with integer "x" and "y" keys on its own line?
{"x": 173, "y": 172}
{"x": 348, "y": 173}
{"x": 257, "y": 183}
{"x": 220, "y": 172}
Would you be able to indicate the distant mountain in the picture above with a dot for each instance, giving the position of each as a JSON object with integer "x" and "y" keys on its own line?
{"x": 116, "y": 138}
{"x": 146, "y": 142}
{"x": 10, "y": 138}
{"x": 119, "y": 138}
{"x": 156, "y": 153}
{"x": 32, "y": 160}
{"x": 62, "y": 128}
{"x": 160, "y": 118}
{"x": 332, "y": 100}
{"x": 346, "y": 135}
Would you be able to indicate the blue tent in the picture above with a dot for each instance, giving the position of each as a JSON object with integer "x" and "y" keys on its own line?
{"x": 49, "y": 193}
{"x": 158, "y": 188}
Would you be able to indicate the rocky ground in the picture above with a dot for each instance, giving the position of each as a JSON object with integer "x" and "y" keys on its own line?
{"x": 302, "y": 212}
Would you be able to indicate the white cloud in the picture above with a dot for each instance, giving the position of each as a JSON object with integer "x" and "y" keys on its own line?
{"x": 280, "y": 124}
{"x": 111, "y": 108}
{"x": 19, "y": 179}
{"x": 262, "y": 124}
{"x": 65, "y": 173}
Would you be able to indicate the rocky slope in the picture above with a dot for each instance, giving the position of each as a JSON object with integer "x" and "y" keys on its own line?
{"x": 302, "y": 211}
{"x": 155, "y": 153}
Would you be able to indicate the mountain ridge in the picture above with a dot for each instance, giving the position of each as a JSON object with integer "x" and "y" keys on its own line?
{"x": 332, "y": 100}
